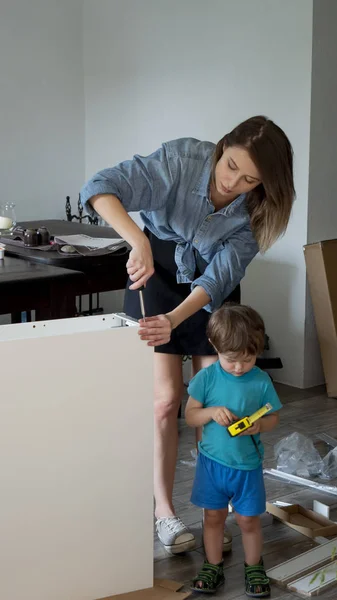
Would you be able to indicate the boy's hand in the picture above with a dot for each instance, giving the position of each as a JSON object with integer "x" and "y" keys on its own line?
{"x": 253, "y": 429}
{"x": 223, "y": 416}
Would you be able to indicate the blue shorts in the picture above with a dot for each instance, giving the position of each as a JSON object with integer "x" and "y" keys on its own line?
{"x": 215, "y": 485}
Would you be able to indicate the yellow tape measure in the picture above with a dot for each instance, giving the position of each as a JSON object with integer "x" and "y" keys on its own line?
{"x": 246, "y": 422}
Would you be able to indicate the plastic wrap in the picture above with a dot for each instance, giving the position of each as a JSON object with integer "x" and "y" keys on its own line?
{"x": 193, "y": 462}
{"x": 330, "y": 464}
{"x": 296, "y": 454}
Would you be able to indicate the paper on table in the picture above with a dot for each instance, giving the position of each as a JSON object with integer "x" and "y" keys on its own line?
{"x": 87, "y": 245}
{"x": 88, "y": 241}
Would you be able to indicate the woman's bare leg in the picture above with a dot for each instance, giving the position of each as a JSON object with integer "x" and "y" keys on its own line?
{"x": 168, "y": 392}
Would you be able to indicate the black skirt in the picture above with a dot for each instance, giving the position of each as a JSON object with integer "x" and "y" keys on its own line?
{"x": 162, "y": 294}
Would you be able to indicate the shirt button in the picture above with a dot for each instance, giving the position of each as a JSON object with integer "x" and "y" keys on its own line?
{"x": 196, "y": 241}
{"x": 208, "y": 218}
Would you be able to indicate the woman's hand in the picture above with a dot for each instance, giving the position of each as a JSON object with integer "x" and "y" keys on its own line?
{"x": 155, "y": 330}
{"x": 140, "y": 264}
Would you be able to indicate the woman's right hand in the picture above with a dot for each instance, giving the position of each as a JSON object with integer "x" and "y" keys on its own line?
{"x": 140, "y": 264}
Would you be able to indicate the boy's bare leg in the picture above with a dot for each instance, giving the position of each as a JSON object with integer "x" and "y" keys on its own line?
{"x": 214, "y": 523}
{"x": 251, "y": 538}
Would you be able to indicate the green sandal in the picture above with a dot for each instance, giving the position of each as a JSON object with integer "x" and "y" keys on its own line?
{"x": 256, "y": 580}
{"x": 210, "y": 576}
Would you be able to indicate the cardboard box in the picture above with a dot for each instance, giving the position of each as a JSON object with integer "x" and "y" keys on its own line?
{"x": 163, "y": 589}
{"x": 303, "y": 520}
{"x": 321, "y": 264}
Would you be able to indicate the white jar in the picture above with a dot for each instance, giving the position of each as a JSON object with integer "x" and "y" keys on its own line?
{"x": 7, "y": 217}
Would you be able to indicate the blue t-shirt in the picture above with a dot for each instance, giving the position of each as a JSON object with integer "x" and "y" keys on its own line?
{"x": 242, "y": 395}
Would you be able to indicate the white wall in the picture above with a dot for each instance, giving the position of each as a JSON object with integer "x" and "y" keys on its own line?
{"x": 322, "y": 207}
{"x": 156, "y": 70}
{"x": 41, "y": 105}
{"x": 322, "y": 215}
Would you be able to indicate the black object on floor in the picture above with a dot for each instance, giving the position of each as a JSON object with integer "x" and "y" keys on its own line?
{"x": 269, "y": 363}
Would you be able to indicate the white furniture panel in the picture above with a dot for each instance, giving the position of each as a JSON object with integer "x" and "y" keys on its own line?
{"x": 76, "y": 460}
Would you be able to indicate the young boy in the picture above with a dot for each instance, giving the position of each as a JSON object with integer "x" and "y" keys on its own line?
{"x": 230, "y": 468}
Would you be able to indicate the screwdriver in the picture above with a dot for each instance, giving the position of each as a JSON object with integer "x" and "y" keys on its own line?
{"x": 141, "y": 300}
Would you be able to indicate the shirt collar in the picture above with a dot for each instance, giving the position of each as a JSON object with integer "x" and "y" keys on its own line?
{"x": 238, "y": 206}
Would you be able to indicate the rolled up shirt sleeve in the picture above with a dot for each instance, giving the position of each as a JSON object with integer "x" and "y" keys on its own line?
{"x": 227, "y": 268}
{"x": 142, "y": 183}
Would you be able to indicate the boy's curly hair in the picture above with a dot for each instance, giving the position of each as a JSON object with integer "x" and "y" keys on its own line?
{"x": 236, "y": 329}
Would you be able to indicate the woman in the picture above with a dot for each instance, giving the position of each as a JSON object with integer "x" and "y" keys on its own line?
{"x": 207, "y": 211}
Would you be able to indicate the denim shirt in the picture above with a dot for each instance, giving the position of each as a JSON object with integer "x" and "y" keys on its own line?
{"x": 170, "y": 188}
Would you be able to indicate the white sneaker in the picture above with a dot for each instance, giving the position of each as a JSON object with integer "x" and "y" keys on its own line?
{"x": 174, "y": 535}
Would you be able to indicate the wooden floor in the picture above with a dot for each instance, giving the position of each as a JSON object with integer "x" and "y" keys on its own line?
{"x": 305, "y": 411}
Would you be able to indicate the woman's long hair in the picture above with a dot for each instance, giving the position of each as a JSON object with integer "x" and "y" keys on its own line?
{"x": 270, "y": 203}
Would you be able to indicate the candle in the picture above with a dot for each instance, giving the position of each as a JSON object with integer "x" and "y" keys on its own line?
{"x": 5, "y": 223}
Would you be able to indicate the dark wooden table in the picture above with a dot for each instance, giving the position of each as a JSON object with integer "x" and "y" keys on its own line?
{"x": 49, "y": 283}
{"x": 25, "y": 286}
